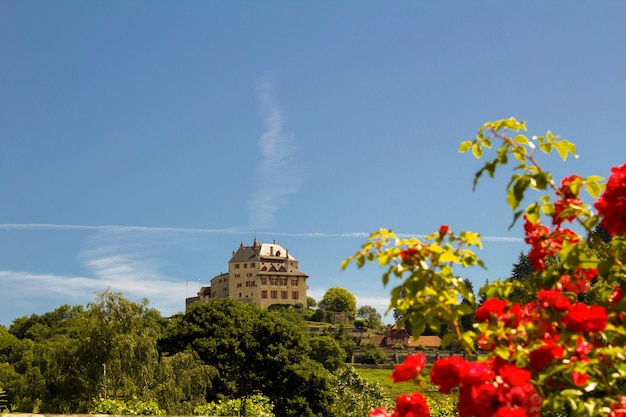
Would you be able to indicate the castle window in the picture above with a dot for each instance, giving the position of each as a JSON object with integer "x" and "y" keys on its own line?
{"x": 245, "y": 265}
{"x": 274, "y": 294}
{"x": 283, "y": 280}
{"x": 294, "y": 281}
{"x": 236, "y": 266}
{"x": 283, "y": 295}
{"x": 264, "y": 294}
{"x": 263, "y": 281}
{"x": 294, "y": 295}
{"x": 274, "y": 280}
{"x": 252, "y": 264}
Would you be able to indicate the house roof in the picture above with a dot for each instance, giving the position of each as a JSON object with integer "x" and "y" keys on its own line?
{"x": 295, "y": 273}
{"x": 426, "y": 341}
{"x": 377, "y": 339}
{"x": 261, "y": 251}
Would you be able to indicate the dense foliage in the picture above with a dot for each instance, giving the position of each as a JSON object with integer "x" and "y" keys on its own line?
{"x": 551, "y": 340}
{"x": 253, "y": 350}
{"x": 133, "y": 407}
{"x": 338, "y": 300}
{"x": 254, "y": 406}
{"x": 121, "y": 357}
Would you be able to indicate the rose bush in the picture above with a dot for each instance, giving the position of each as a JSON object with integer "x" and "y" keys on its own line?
{"x": 562, "y": 352}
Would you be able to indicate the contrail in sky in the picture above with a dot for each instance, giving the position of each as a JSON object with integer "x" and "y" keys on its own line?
{"x": 276, "y": 175}
{"x": 157, "y": 229}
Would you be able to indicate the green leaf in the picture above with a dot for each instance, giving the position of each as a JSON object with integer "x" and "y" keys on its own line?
{"x": 516, "y": 216}
{"x": 464, "y": 309}
{"x": 521, "y": 139}
{"x": 564, "y": 147}
{"x": 465, "y": 145}
{"x": 448, "y": 256}
{"x": 516, "y": 193}
{"x": 477, "y": 150}
{"x": 593, "y": 187}
{"x": 447, "y": 339}
{"x": 546, "y": 147}
{"x": 503, "y": 352}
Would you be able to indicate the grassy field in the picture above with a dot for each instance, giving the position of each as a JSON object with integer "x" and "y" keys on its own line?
{"x": 381, "y": 376}
{"x": 392, "y": 390}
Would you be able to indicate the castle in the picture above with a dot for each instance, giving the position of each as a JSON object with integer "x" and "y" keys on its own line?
{"x": 264, "y": 274}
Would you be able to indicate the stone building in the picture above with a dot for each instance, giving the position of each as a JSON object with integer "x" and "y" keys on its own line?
{"x": 264, "y": 274}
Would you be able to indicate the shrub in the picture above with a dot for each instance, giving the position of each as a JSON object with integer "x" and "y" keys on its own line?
{"x": 353, "y": 394}
{"x": 374, "y": 354}
{"x": 132, "y": 407}
{"x": 257, "y": 405}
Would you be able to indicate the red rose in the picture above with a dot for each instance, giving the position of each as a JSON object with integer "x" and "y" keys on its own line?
{"x": 447, "y": 373}
{"x": 379, "y": 412}
{"x": 570, "y": 187}
{"x": 491, "y": 307}
{"x": 413, "y": 365}
{"x": 513, "y": 375}
{"x": 583, "y": 318}
{"x": 545, "y": 354}
{"x": 612, "y": 203}
{"x": 443, "y": 230}
{"x": 476, "y": 372}
{"x": 524, "y": 397}
{"x": 572, "y": 284}
{"x": 411, "y": 405}
{"x": 485, "y": 399}
{"x": 408, "y": 253}
{"x": 554, "y": 299}
{"x": 618, "y": 409}
{"x": 544, "y": 243}
{"x": 616, "y": 295}
{"x": 579, "y": 378}
{"x": 510, "y": 412}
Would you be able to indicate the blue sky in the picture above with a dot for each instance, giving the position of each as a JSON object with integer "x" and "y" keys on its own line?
{"x": 142, "y": 141}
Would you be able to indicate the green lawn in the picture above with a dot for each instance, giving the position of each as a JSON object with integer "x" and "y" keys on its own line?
{"x": 392, "y": 390}
{"x": 382, "y": 376}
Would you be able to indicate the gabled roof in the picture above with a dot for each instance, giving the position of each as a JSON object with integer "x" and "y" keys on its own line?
{"x": 377, "y": 339}
{"x": 244, "y": 254}
{"x": 270, "y": 251}
{"x": 425, "y": 341}
{"x": 274, "y": 250}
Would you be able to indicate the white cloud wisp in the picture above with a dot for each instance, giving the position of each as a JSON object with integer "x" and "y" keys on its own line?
{"x": 276, "y": 175}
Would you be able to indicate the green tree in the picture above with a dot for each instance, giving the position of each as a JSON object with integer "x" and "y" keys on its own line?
{"x": 370, "y": 314}
{"x": 327, "y": 351}
{"x": 338, "y": 300}
{"x": 119, "y": 353}
{"x": 311, "y": 303}
{"x": 45, "y": 357}
{"x": 346, "y": 341}
{"x": 253, "y": 350}
{"x": 374, "y": 354}
{"x": 355, "y": 395}
{"x": 467, "y": 320}
{"x": 521, "y": 275}
{"x": 182, "y": 382}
